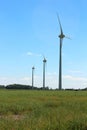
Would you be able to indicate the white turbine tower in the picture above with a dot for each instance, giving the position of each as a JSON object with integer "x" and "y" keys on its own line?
{"x": 33, "y": 68}
{"x": 61, "y": 36}
{"x": 44, "y": 63}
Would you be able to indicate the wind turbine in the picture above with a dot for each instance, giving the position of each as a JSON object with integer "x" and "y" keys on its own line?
{"x": 33, "y": 68}
{"x": 61, "y": 36}
{"x": 44, "y": 63}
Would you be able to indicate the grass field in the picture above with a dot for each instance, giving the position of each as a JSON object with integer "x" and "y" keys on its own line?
{"x": 43, "y": 110}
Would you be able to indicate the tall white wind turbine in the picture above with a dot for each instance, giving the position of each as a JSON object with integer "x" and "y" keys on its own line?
{"x": 61, "y": 37}
{"x": 44, "y": 64}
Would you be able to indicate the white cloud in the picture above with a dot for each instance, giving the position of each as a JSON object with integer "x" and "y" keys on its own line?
{"x": 29, "y": 53}
{"x": 51, "y": 81}
{"x": 74, "y": 82}
{"x": 3, "y": 78}
{"x": 75, "y": 71}
{"x": 14, "y": 80}
{"x": 25, "y": 78}
{"x": 69, "y": 77}
{"x": 33, "y": 54}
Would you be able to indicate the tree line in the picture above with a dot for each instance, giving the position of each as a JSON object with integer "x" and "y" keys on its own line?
{"x": 21, "y": 86}
{"x": 29, "y": 87}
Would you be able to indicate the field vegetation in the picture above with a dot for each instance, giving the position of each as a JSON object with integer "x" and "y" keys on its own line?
{"x": 43, "y": 110}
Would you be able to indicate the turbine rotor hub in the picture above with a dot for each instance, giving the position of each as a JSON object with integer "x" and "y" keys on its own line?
{"x": 61, "y": 36}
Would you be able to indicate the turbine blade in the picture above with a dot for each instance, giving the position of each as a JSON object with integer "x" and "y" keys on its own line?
{"x": 67, "y": 37}
{"x": 59, "y": 24}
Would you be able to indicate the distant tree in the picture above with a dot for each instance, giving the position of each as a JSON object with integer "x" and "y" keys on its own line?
{"x": 2, "y": 86}
{"x": 18, "y": 86}
{"x": 84, "y": 89}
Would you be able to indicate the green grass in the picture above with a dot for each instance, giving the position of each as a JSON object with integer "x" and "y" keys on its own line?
{"x": 43, "y": 110}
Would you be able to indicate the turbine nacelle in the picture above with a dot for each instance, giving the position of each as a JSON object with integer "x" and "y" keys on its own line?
{"x": 44, "y": 60}
{"x": 33, "y": 68}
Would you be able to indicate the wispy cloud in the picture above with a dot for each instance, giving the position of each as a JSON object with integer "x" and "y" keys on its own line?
{"x": 29, "y": 53}
{"x": 33, "y": 54}
{"x": 73, "y": 78}
{"x": 75, "y": 71}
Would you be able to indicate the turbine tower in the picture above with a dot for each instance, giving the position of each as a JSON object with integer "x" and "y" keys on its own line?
{"x": 33, "y": 68}
{"x": 44, "y": 63}
{"x": 61, "y": 36}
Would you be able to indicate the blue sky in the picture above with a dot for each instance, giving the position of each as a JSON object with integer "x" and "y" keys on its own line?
{"x": 29, "y": 30}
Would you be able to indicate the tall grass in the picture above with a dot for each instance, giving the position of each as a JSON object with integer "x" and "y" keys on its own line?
{"x": 43, "y": 110}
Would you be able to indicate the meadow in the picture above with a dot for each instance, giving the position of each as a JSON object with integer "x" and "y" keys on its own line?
{"x": 43, "y": 110}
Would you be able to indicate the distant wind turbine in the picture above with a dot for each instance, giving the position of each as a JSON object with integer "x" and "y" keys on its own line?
{"x": 61, "y": 36}
{"x": 33, "y": 68}
{"x": 44, "y": 63}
